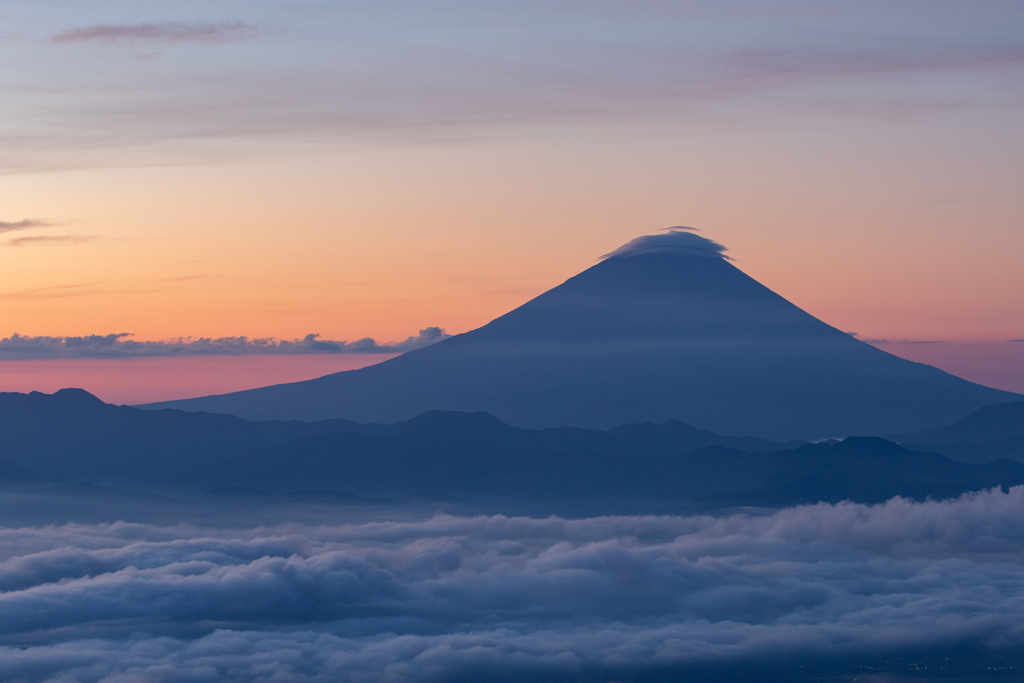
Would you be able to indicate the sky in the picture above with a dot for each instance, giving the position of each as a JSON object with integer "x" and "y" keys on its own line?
{"x": 358, "y": 170}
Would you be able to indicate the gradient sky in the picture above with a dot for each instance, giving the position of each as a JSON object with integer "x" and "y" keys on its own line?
{"x": 361, "y": 169}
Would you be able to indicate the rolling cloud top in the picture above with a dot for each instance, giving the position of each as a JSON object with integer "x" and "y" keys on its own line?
{"x": 677, "y": 240}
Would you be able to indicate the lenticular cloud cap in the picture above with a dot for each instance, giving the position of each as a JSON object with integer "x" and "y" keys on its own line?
{"x": 677, "y": 240}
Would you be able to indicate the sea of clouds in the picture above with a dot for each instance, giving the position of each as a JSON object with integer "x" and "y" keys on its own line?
{"x": 507, "y": 598}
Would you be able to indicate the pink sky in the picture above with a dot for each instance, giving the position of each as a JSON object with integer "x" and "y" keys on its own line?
{"x": 142, "y": 380}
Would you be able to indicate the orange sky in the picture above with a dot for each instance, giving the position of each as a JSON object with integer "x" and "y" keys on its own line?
{"x": 349, "y": 243}
{"x": 265, "y": 182}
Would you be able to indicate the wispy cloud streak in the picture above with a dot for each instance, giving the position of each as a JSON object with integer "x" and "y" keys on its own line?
{"x": 425, "y": 72}
{"x": 162, "y": 32}
{"x": 21, "y": 347}
{"x": 48, "y": 240}
{"x": 27, "y": 224}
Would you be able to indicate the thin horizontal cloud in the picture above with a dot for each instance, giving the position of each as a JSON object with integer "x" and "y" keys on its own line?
{"x": 822, "y": 589}
{"x": 53, "y": 292}
{"x": 161, "y": 32}
{"x": 428, "y": 74}
{"x": 27, "y": 224}
{"x": 21, "y": 347}
{"x": 48, "y": 239}
{"x": 903, "y": 341}
{"x": 183, "y": 278}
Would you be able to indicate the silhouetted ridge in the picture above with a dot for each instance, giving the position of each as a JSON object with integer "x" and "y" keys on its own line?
{"x": 987, "y": 434}
{"x": 987, "y": 424}
{"x": 473, "y": 457}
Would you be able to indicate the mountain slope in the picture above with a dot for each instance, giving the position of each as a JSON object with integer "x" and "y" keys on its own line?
{"x": 985, "y": 425}
{"x": 647, "y": 334}
{"x": 989, "y": 433}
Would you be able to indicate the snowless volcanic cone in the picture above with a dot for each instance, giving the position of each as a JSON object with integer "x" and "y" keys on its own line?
{"x": 663, "y": 327}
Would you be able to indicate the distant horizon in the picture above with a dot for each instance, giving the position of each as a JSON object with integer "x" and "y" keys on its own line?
{"x": 999, "y": 365}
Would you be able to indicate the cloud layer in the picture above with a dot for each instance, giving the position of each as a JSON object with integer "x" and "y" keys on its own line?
{"x": 342, "y": 72}
{"x": 26, "y": 224}
{"x": 521, "y": 599}
{"x": 48, "y": 239}
{"x": 674, "y": 241}
{"x": 21, "y": 347}
{"x": 161, "y": 32}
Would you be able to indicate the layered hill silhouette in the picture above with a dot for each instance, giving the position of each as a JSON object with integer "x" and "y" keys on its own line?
{"x": 449, "y": 456}
{"x": 72, "y": 434}
{"x": 987, "y": 434}
{"x": 663, "y": 328}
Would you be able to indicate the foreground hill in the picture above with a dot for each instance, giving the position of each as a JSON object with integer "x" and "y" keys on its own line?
{"x": 664, "y": 328}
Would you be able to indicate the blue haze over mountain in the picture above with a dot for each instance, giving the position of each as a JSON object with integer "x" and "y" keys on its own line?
{"x": 990, "y": 433}
{"x": 664, "y": 327}
{"x": 72, "y": 443}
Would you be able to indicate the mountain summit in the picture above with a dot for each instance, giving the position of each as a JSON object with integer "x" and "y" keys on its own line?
{"x": 663, "y": 327}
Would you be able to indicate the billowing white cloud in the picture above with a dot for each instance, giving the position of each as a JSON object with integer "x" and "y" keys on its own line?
{"x": 677, "y": 240}
{"x": 455, "y": 598}
{"x": 21, "y": 347}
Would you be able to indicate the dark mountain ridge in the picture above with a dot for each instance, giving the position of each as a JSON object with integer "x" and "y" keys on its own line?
{"x": 75, "y": 435}
{"x": 72, "y": 434}
{"x": 864, "y": 469}
{"x": 987, "y": 434}
{"x": 474, "y": 457}
{"x": 987, "y": 424}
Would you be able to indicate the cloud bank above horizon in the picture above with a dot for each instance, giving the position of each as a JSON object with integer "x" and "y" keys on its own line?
{"x": 457, "y": 598}
{"x": 21, "y": 347}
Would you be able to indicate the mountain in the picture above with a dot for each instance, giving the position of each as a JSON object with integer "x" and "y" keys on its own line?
{"x": 987, "y": 434}
{"x": 71, "y": 434}
{"x": 985, "y": 425}
{"x": 475, "y": 457}
{"x": 663, "y": 328}
{"x": 863, "y": 469}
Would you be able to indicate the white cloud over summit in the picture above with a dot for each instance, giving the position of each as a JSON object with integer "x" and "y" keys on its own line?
{"x": 677, "y": 240}
{"x": 455, "y": 598}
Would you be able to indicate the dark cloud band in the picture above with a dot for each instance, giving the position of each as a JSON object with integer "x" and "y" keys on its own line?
{"x": 161, "y": 32}
{"x": 48, "y": 240}
{"x": 21, "y": 347}
{"x": 27, "y": 224}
